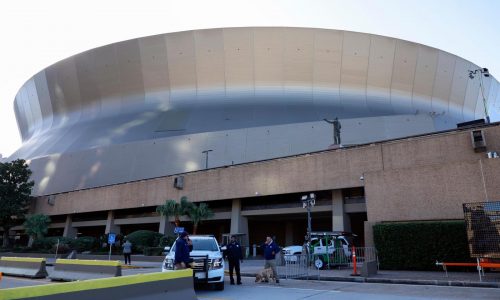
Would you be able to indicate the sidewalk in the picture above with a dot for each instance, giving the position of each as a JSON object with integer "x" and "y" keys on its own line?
{"x": 462, "y": 279}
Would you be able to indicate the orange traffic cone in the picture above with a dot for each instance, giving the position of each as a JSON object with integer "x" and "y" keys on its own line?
{"x": 355, "y": 270}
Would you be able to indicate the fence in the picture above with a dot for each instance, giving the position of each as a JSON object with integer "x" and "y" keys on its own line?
{"x": 304, "y": 265}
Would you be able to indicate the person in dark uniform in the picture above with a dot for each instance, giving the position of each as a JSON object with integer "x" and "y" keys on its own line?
{"x": 234, "y": 256}
{"x": 183, "y": 246}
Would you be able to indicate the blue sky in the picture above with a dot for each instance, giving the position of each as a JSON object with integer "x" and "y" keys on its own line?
{"x": 36, "y": 34}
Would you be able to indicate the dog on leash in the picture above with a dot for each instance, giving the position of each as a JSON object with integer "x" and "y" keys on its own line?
{"x": 265, "y": 275}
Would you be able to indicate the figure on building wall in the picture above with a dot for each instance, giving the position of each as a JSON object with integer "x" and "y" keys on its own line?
{"x": 336, "y": 130}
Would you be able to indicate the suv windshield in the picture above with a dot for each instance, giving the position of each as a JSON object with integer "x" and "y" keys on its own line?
{"x": 202, "y": 245}
{"x": 205, "y": 245}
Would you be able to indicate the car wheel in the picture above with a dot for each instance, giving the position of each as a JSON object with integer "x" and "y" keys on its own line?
{"x": 219, "y": 286}
{"x": 319, "y": 263}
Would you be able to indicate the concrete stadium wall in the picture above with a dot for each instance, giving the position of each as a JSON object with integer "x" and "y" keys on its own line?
{"x": 410, "y": 175}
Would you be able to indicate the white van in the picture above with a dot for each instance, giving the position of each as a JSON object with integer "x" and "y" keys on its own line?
{"x": 207, "y": 260}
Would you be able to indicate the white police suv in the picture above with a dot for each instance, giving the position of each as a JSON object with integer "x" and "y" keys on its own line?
{"x": 207, "y": 260}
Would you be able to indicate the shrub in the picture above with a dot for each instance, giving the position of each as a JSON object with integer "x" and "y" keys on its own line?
{"x": 84, "y": 243}
{"x": 417, "y": 245}
{"x": 48, "y": 243}
{"x": 153, "y": 251}
{"x": 167, "y": 241}
{"x": 63, "y": 248}
{"x": 143, "y": 238}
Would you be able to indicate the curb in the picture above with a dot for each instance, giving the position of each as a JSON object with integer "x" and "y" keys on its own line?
{"x": 396, "y": 281}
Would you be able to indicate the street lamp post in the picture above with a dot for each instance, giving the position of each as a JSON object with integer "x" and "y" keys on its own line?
{"x": 482, "y": 72}
{"x": 308, "y": 201}
{"x": 206, "y": 157}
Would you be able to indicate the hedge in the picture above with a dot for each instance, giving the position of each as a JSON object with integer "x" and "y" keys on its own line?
{"x": 418, "y": 245}
{"x": 153, "y": 251}
{"x": 143, "y": 238}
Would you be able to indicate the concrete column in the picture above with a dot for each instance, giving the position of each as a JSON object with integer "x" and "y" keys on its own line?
{"x": 289, "y": 233}
{"x": 340, "y": 221}
{"x": 110, "y": 223}
{"x": 69, "y": 230}
{"x": 369, "y": 234}
{"x": 166, "y": 227}
{"x": 239, "y": 224}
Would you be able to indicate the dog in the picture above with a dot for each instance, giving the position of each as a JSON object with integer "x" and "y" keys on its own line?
{"x": 265, "y": 275}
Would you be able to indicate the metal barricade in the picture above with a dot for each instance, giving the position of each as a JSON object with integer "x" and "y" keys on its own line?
{"x": 309, "y": 266}
{"x": 342, "y": 257}
{"x": 296, "y": 266}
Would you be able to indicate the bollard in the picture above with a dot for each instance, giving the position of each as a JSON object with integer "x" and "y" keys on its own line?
{"x": 354, "y": 271}
{"x": 0, "y": 276}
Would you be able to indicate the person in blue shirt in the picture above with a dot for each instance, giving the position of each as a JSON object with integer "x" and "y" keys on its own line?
{"x": 127, "y": 251}
{"x": 234, "y": 256}
{"x": 270, "y": 251}
{"x": 183, "y": 246}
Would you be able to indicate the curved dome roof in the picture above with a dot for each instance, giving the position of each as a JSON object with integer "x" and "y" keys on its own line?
{"x": 215, "y": 80}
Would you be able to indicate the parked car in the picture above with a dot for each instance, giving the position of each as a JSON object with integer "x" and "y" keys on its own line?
{"x": 330, "y": 248}
{"x": 290, "y": 252}
{"x": 207, "y": 260}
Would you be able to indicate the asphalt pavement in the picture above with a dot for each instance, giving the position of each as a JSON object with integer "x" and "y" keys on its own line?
{"x": 250, "y": 267}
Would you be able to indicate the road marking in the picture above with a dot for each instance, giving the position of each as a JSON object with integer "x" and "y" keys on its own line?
{"x": 289, "y": 288}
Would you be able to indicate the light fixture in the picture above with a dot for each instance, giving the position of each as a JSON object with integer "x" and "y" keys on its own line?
{"x": 486, "y": 73}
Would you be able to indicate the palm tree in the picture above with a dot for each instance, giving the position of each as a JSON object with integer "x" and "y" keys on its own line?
{"x": 36, "y": 226}
{"x": 197, "y": 213}
{"x": 175, "y": 209}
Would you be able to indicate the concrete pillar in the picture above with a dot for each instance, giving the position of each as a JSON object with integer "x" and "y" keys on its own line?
{"x": 69, "y": 230}
{"x": 369, "y": 234}
{"x": 166, "y": 227}
{"x": 289, "y": 233}
{"x": 340, "y": 221}
{"x": 110, "y": 224}
{"x": 239, "y": 224}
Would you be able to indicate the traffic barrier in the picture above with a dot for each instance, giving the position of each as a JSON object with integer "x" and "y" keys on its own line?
{"x": 23, "y": 266}
{"x": 480, "y": 264}
{"x": 78, "y": 269}
{"x": 354, "y": 262}
{"x": 151, "y": 286}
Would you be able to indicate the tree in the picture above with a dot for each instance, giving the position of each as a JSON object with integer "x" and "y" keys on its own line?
{"x": 15, "y": 191}
{"x": 36, "y": 226}
{"x": 198, "y": 213}
{"x": 175, "y": 209}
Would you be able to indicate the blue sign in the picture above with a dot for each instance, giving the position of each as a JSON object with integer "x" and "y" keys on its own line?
{"x": 178, "y": 230}
{"x": 111, "y": 238}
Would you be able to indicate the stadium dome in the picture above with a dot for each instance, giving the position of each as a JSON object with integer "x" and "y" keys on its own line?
{"x": 185, "y": 101}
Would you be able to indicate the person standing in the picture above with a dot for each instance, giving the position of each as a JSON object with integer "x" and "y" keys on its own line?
{"x": 270, "y": 250}
{"x": 234, "y": 256}
{"x": 336, "y": 130}
{"x": 183, "y": 246}
{"x": 127, "y": 251}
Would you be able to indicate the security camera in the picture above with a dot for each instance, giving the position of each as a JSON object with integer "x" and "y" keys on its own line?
{"x": 361, "y": 177}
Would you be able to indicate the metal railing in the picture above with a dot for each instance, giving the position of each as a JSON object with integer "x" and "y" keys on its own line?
{"x": 305, "y": 266}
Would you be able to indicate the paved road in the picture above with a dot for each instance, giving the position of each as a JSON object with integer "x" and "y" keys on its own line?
{"x": 311, "y": 290}
{"x": 316, "y": 290}
{"x": 12, "y": 282}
